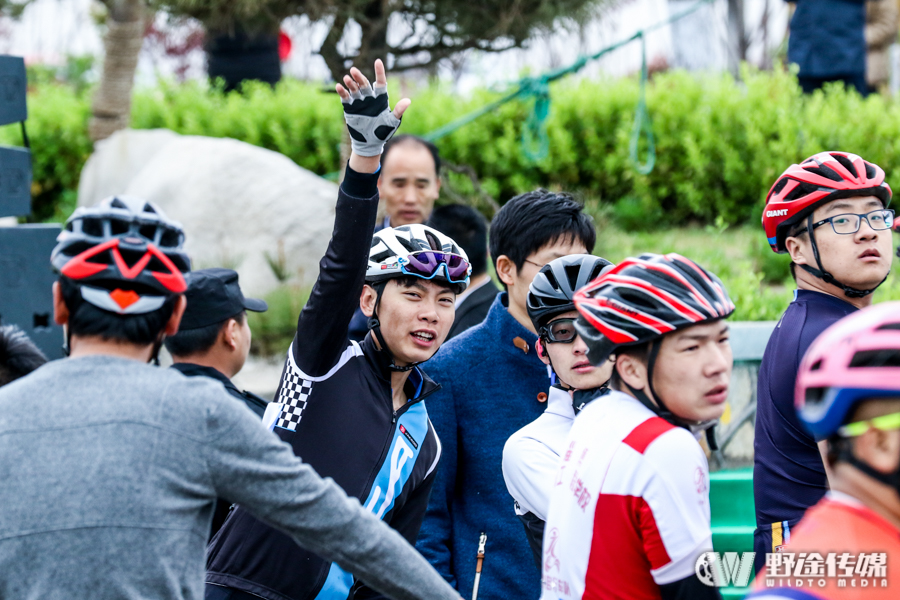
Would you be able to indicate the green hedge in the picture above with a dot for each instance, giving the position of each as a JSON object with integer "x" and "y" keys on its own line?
{"x": 720, "y": 143}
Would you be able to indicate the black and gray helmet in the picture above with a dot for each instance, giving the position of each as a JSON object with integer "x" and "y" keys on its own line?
{"x": 553, "y": 290}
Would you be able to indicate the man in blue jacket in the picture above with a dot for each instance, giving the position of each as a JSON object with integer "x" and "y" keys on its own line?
{"x": 493, "y": 384}
{"x": 828, "y": 43}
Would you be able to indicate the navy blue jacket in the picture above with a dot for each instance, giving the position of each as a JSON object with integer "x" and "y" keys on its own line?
{"x": 828, "y": 38}
{"x": 788, "y": 474}
{"x": 489, "y": 390}
{"x": 334, "y": 406}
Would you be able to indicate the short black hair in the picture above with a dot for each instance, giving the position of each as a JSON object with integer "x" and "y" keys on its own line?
{"x": 87, "y": 320}
{"x": 468, "y": 228}
{"x": 407, "y": 138}
{"x": 196, "y": 341}
{"x": 18, "y": 354}
{"x": 535, "y": 219}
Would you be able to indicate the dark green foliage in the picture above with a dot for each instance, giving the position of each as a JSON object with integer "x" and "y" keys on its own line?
{"x": 720, "y": 143}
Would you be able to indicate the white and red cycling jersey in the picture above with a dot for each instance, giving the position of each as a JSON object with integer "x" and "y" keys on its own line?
{"x": 630, "y": 508}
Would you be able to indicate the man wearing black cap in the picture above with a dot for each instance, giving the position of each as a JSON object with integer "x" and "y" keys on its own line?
{"x": 214, "y": 340}
{"x": 214, "y": 337}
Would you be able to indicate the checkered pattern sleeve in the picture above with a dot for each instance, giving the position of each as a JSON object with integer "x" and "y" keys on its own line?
{"x": 293, "y": 394}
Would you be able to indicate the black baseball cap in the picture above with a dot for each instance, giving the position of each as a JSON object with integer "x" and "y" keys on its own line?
{"x": 214, "y": 295}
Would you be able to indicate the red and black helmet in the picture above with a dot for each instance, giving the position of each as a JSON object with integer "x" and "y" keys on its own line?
{"x": 126, "y": 255}
{"x": 645, "y": 298}
{"x": 819, "y": 179}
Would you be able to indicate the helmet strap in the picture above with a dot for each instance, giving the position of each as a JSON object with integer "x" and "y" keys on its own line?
{"x": 827, "y": 277}
{"x": 374, "y": 325}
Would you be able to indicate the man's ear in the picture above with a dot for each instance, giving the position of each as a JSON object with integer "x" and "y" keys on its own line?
{"x": 506, "y": 270}
{"x": 60, "y": 310}
{"x": 175, "y": 320}
{"x": 542, "y": 351}
{"x": 631, "y": 371}
{"x": 878, "y": 449}
{"x": 367, "y": 300}
{"x": 796, "y": 248}
{"x": 438, "y": 183}
{"x": 230, "y": 333}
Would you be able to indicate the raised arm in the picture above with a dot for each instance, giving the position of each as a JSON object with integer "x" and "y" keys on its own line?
{"x": 321, "y": 335}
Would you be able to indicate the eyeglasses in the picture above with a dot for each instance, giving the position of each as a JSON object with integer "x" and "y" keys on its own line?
{"x": 849, "y": 223}
{"x": 561, "y": 331}
{"x": 427, "y": 264}
{"x": 889, "y": 422}
{"x": 531, "y": 262}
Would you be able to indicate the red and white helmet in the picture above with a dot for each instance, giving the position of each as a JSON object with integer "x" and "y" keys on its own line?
{"x": 819, "y": 179}
{"x": 645, "y": 298}
{"x": 855, "y": 359}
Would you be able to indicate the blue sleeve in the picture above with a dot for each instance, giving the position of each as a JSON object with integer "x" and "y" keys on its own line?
{"x": 435, "y": 536}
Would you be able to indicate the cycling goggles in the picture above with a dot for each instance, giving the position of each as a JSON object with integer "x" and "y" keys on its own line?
{"x": 427, "y": 264}
{"x": 889, "y": 422}
{"x": 561, "y": 331}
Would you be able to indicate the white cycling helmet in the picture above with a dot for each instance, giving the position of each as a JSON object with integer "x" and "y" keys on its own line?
{"x": 420, "y": 251}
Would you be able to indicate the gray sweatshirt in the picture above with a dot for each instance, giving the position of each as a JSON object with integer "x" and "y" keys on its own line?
{"x": 109, "y": 470}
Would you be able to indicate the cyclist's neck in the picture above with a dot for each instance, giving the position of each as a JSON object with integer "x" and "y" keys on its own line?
{"x": 807, "y": 281}
{"x": 398, "y": 388}
{"x": 81, "y": 346}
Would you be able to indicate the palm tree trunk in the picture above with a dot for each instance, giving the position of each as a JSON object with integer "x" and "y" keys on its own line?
{"x": 111, "y": 109}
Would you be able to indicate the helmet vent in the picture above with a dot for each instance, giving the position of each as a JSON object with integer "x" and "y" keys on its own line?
{"x": 381, "y": 256}
{"x": 116, "y": 203}
{"x": 92, "y": 227}
{"x": 779, "y": 185}
{"x": 870, "y": 171}
{"x": 824, "y": 172}
{"x": 814, "y": 395}
{"x": 888, "y": 326}
{"x": 433, "y": 242}
{"x": 407, "y": 244}
{"x": 170, "y": 238}
{"x": 572, "y": 275}
{"x": 845, "y": 162}
{"x": 636, "y": 299}
{"x": 149, "y": 208}
{"x": 148, "y": 232}
{"x": 119, "y": 226}
{"x": 802, "y": 189}
{"x": 889, "y": 357}
{"x": 816, "y": 365}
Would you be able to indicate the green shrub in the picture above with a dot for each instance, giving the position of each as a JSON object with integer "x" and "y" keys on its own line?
{"x": 720, "y": 143}
{"x": 274, "y": 329}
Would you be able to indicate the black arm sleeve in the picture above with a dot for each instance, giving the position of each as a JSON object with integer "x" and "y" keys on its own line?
{"x": 689, "y": 588}
{"x": 406, "y": 521}
{"x": 534, "y": 531}
{"x": 322, "y": 327}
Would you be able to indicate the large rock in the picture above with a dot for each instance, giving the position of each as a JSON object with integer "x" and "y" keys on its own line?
{"x": 239, "y": 204}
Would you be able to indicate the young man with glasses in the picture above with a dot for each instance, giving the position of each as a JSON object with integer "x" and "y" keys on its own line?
{"x": 848, "y": 396}
{"x": 531, "y": 455}
{"x": 354, "y": 411}
{"x": 830, "y": 214}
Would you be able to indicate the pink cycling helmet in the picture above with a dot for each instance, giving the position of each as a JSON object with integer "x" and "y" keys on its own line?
{"x": 856, "y": 359}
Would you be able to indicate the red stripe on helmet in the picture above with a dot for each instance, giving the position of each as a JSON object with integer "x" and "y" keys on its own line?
{"x": 663, "y": 296}
{"x": 630, "y": 313}
{"x": 79, "y": 268}
{"x": 615, "y": 335}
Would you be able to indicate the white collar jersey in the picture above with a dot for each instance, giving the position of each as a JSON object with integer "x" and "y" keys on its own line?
{"x": 531, "y": 455}
{"x": 629, "y": 509}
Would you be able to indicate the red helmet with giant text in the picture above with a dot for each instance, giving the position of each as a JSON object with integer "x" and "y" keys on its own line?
{"x": 819, "y": 179}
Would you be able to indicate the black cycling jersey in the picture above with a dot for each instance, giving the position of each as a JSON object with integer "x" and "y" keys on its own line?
{"x": 334, "y": 407}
